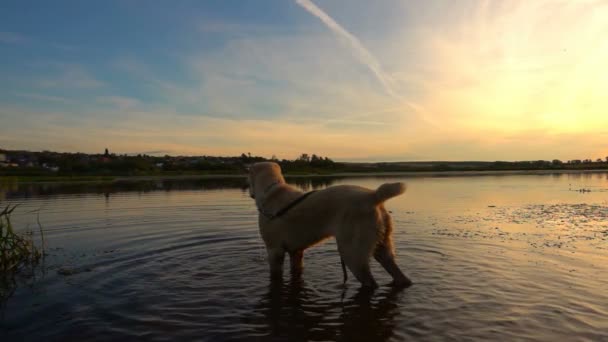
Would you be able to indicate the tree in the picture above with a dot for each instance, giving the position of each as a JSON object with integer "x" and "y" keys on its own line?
{"x": 304, "y": 157}
{"x": 107, "y": 153}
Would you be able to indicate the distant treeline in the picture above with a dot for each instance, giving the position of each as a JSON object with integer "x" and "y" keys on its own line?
{"x": 46, "y": 163}
{"x": 576, "y": 164}
{"x": 26, "y": 163}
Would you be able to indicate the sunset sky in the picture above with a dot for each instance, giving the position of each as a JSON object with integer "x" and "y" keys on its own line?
{"x": 352, "y": 80}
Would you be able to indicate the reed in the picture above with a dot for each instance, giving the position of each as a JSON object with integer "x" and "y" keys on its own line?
{"x": 17, "y": 250}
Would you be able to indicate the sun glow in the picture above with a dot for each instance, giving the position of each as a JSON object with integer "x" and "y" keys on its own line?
{"x": 529, "y": 65}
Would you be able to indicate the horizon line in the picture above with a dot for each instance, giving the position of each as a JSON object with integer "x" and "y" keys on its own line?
{"x": 371, "y": 160}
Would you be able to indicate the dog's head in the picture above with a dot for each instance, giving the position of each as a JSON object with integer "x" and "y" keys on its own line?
{"x": 262, "y": 175}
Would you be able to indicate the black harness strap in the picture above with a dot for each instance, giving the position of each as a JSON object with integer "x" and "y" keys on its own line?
{"x": 290, "y": 205}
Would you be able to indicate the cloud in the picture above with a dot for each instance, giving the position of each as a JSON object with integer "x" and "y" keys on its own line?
{"x": 12, "y": 38}
{"x": 364, "y": 55}
{"x": 70, "y": 76}
{"x": 46, "y": 98}
{"x": 21, "y": 39}
{"x": 159, "y": 129}
{"x": 210, "y": 26}
{"x": 289, "y": 76}
{"x": 120, "y": 102}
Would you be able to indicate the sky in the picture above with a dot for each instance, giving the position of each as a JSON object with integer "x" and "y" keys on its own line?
{"x": 354, "y": 80}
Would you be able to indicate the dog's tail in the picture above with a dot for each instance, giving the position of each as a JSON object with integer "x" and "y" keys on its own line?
{"x": 389, "y": 190}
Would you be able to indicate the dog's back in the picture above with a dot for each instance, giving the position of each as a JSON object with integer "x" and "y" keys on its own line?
{"x": 336, "y": 210}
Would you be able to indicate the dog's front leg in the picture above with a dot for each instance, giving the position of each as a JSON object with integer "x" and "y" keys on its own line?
{"x": 295, "y": 259}
{"x": 275, "y": 261}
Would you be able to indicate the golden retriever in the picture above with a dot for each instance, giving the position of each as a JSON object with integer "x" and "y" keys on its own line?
{"x": 291, "y": 221}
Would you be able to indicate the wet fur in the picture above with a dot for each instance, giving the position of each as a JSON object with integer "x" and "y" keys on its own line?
{"x": 354, "y": 215}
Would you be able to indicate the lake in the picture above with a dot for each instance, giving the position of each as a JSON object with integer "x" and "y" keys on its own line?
{"x": 506, "y": 257}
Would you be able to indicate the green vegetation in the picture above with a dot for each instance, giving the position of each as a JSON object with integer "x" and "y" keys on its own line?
{"x": 54, "y": 166}
{"x": 43, "y": 166}
{"x": 442, "y": 166}
{"x": 17, "y": 251}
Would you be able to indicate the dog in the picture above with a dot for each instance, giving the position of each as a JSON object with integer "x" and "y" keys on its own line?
{"x": 291, "y": 221}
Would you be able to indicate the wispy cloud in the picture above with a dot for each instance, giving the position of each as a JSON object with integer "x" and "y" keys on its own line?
{"x": 364, "y": 55}
{"x": 71, "y": 76}
{"x": 12, "y": 37}
{"x": 232, "y": 29}
{"x": 45, "y": 98}
{"x": 120, "y": 102}
{"x": 15, "y": 38}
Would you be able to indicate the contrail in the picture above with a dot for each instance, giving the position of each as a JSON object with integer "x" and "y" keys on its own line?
{"x": 364, "y": 55}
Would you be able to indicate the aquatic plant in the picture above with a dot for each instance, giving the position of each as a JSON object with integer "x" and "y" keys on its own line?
{"x": 17, "y": 251}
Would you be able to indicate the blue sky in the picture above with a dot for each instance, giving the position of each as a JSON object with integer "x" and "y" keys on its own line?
{"x": 355, "y": 80}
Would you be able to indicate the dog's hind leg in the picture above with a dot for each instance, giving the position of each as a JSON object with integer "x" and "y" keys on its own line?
{"x": 357, "y": 262}
{"x": 295, "y": 261}
{"x": 344, "y": 269}
{"x": 341, "y": 252}
{"x": 275, "y": 261}
{"x": 362, "y": 272}
{"x": 384, "y": 255}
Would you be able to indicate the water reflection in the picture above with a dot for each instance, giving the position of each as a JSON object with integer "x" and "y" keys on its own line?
{"x": 18, "y": 190}
{"x": 296, "y": 312}
{"x": 313, "y": 183}
{"x": 12, "y": 189}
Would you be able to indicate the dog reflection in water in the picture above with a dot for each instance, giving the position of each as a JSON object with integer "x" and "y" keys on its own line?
{"x": 293, "y": 311}
{"x": 291, "y": 221}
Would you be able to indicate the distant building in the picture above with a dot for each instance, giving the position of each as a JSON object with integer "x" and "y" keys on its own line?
{"x": 50, "y": 167}
{"x": 3, "y": 160}
{"x": 26, "y": 161}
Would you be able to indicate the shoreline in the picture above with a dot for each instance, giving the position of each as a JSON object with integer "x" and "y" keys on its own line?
{"x": 117, "y": 179}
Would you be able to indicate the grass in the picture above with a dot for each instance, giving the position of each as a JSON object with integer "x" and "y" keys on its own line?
{"x": 17, "y": 251}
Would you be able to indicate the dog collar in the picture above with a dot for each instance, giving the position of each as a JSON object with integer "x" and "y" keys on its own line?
{"x": 270, "y": 186}
{"x": 284, "y": 210}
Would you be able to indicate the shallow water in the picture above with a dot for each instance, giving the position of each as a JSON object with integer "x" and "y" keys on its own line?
{"x": 519, "y": 257}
